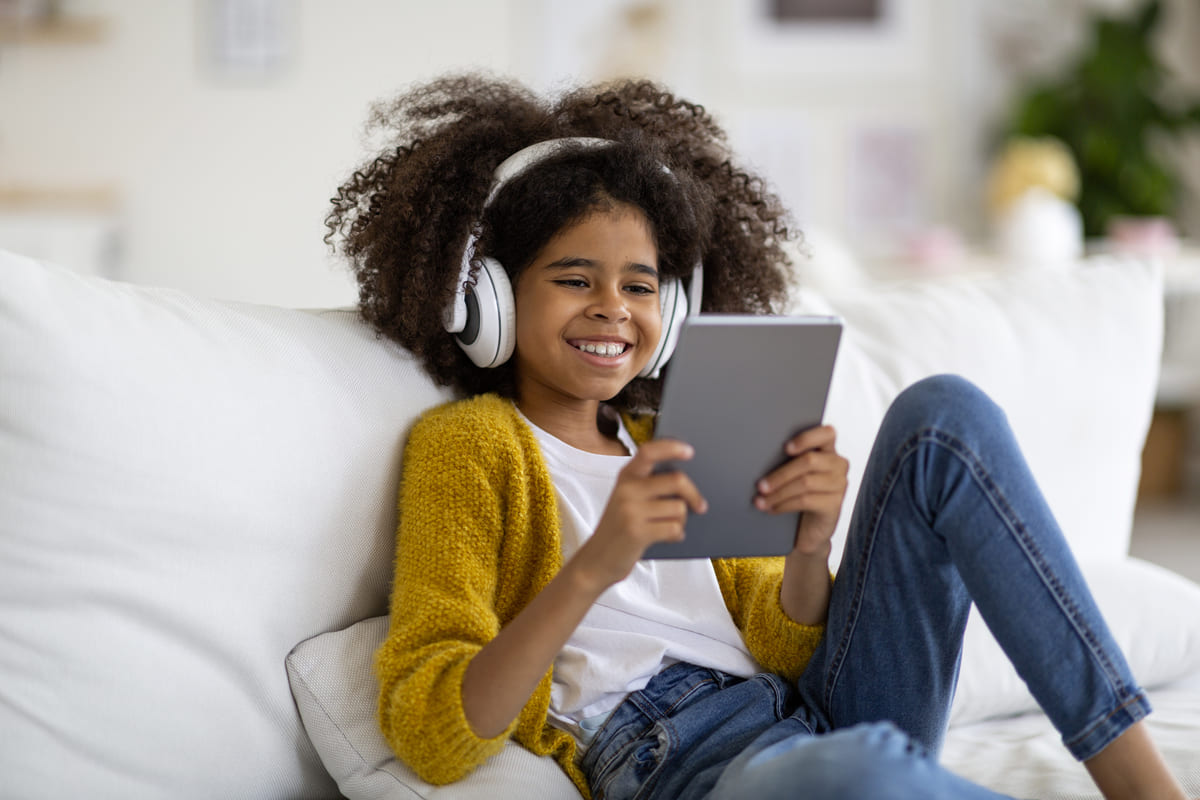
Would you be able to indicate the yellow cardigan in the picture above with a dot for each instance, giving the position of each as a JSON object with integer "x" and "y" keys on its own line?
{"x": 478, "y": 538}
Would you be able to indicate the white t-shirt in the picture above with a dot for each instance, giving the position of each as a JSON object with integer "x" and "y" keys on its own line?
{"x": 666, "y": 611}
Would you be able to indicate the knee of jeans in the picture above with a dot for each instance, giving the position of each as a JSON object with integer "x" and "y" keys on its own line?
{"x": 868, "y": 760}
{"x": 943, "y": 401}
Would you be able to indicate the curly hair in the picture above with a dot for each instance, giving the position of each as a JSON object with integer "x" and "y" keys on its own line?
{"x": 404, "y": 218}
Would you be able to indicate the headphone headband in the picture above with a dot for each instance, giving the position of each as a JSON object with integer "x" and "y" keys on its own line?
{"x": 455, "y": 315}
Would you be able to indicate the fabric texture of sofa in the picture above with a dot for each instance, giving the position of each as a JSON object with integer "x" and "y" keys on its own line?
{"x": 197, "y": 510}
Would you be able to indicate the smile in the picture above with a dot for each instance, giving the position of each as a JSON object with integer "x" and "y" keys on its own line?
{"x": 603, "y": 349}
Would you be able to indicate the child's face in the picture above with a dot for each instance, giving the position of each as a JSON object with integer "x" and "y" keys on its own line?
{"x": 588, "y": 316}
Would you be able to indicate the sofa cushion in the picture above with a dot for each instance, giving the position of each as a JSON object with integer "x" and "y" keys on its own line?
{"x": 1072, "y": 356}
{"x": 189, "y": 488}
{"x": 337, "y": 695}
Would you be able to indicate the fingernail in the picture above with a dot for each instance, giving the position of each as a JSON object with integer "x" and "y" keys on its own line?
{"x": 760, "y": 503}
{"x": 763, "y": 487}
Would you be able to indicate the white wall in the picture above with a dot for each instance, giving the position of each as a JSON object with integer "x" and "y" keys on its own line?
{"x": 223, "y": 183}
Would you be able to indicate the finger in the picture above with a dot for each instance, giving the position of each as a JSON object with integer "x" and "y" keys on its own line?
{"x": 668, "y": 509}
{"x": 820, "y": 481}
{"x": 656, "y": 452}
{"x": 826, "y": 501}
{"x": 795, "y": 491}
{"x": 813, "y": 461}
{"x": 818, "y": 438}
{"x": 676, "y": 485}
{"x": 666, "y": 532}
{"x": 792, "y": 470}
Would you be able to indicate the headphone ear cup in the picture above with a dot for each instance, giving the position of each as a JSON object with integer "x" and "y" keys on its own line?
{"x": 674, "y": 306}
{"x": 488, "y": 338}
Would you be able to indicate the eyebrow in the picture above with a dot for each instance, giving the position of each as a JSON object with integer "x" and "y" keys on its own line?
{"x": 568, "y": 262}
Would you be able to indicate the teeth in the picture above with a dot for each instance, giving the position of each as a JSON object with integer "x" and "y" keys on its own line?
{"x": 608, "y": 349}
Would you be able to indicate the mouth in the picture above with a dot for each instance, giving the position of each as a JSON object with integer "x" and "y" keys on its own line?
{"x": 603, "y": 349}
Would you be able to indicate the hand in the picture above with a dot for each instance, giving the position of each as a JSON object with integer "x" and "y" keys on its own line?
{"x": 812, "y": 482}
{"x": 644, "y": 508}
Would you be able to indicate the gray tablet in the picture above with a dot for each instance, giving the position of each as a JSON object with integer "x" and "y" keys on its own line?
{"x": 740, "y": 386}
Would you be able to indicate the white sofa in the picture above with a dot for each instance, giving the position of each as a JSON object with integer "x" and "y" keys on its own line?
{"x": 197, "y": 504}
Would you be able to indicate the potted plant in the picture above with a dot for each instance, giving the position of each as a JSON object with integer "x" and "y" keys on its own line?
{"x": 1112, "y": 109}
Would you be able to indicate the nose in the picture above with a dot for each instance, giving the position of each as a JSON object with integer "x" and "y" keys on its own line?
{"x": 609, "y": 305}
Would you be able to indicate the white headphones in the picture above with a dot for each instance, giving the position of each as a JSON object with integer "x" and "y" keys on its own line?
{"x": 483, "y": 316}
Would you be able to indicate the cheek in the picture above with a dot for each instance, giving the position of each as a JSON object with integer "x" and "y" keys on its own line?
{"x": 652, "y": 326}
{"x": 525, "y": 316}
{"x": 537, "y": 324}
{"x": 525, "y": 337}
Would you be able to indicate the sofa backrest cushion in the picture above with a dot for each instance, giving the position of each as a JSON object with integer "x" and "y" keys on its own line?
{"x": 189, "y": 489}
{"x": 1071, "y": 355}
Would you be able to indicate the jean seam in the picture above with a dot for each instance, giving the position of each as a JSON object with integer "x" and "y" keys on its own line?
{"x": 868, "y": 546}
{"x": 618, "y": 753}
{"x": 1016, "y": 528}
{"x": 1050, "y": 579}
{"x": 654, "y": 716}
{"x": 780, "y": 700}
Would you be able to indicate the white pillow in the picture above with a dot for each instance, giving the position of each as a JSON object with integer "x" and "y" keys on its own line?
{"x": 189, "y": 488}
{"x": 1072, "y": 356}
{"x": 1150, "y": 611}
{"x": 337, "y": 695}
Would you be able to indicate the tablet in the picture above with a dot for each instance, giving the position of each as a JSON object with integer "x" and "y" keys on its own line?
{"x": 738, "y": 388}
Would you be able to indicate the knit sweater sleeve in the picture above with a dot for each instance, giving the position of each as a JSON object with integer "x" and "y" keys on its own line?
{"x": 443, "y": 596}
{"x": 750, "y": 587}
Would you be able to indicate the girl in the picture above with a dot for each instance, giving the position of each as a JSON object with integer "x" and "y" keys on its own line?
{"x": 534, "y": 255}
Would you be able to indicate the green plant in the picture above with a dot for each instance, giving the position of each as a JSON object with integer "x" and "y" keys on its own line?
{"x": 1111, "y": 108}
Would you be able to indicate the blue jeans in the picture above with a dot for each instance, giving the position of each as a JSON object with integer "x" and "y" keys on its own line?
{"x": 948, "y": 513}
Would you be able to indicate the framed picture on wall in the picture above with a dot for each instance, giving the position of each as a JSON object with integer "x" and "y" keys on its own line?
{"x": 246, "y": 39}
{"x": 887, "y": 193}
{"x": 845, "y": 11}
{"x": 833, "y": 40}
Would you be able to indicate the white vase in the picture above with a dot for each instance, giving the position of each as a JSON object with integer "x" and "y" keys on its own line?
{"x": 1040, "y": 229}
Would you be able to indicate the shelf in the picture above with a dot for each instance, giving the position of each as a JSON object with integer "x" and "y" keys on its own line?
{"x": 53, "y": 31}
{"x": 90, "y": 199}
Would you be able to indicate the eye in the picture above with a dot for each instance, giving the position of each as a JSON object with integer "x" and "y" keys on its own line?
{"x": 640, "y": 288}
{"x": 574, "y": 283}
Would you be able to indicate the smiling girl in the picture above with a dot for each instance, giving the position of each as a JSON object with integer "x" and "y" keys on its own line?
{"x": 537, "y": 256}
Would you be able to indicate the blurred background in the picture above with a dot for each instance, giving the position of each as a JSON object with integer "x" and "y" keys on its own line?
{"x": 194, "y": 144}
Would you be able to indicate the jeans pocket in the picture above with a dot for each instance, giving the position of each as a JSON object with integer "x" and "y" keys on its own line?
{"x": 632, "y": 772}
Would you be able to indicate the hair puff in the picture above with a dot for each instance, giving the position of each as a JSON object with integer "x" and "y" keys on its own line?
{"x": 403, "y": 219}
